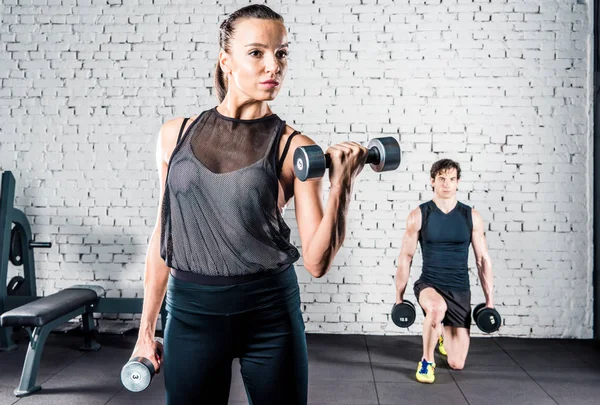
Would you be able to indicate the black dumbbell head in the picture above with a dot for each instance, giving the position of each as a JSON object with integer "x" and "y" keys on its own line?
{"x": 309, "y": 162}
{"x": 488, "y": 320}
{"x": 404, "y": 314}
{"x": 389, "y": 153}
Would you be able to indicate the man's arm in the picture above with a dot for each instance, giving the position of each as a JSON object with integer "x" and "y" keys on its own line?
{"x": 407, "y": 251}
{"x": 482, "y": 257}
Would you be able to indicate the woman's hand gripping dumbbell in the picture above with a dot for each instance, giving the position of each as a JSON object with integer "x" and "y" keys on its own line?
{"x": 137, "y": 374}
{"x": 310, "y": 162}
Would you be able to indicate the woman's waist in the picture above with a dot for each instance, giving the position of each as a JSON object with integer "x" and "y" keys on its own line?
{"x": 254, "y": 292}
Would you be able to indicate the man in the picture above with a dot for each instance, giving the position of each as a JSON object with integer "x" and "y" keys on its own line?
{"x": 445, "y": 228}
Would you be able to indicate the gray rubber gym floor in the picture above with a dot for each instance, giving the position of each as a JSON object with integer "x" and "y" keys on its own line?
{"x": 343, "y": 369}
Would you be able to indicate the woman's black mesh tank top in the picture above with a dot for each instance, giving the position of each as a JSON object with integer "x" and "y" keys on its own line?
{"x": 219, "y": 214}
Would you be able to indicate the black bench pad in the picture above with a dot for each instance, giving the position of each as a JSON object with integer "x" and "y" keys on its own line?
{"x": 46, "y": 309}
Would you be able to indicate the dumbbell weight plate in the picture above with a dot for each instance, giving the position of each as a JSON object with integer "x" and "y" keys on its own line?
{"x": 309, "y": 160}
{"x": 389, "y": 153}
{"x": 487, "y": 319}
{"x": 137, "y": 374}
{"x": 404, "y": 314}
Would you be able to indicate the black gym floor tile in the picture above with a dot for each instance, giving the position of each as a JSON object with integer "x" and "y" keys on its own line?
{"x": 540, "y": 345}
{"x": 343, "y": 355}
{"x": 53, "y": 360}
{"x": 535, "y": 360}
{"x": 405, "y": 342}
{"x": 77, "y": 385}
{"x": 487, "y": 359}
{"x": 395, "y": 355}
{"x": 92, "y": 378}
{"x": 147, "y": 401}
{"x": 316, "y": 341}
{"x": 405, "y": 373}
{"x": 341, "y": 392}
{"x": 347, "y": 353}
{"x": 440, "y": 392}
{"x": 69, "y": 394}
{"x": 580, "y": 345}
{"x": 500, "y": 385}
{"x": 6, "y": 395}
{"x": 478, "y": 344}
{"x": 505, "y": 375}
{"x": 498, "y": 389}
{"x": 337, "y": 365}
{"x": 589, "y": 353}
{"x": 572, "y": 387}
{"x": 341, "y": 370}
{"x": 593, "y": 359}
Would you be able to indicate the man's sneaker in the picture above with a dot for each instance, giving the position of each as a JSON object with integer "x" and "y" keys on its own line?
{"x": 441, "y": 347}
{"x": 425, "y": 372}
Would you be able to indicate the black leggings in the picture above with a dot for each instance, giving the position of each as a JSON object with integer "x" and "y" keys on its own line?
{"x": 262, "y": 326}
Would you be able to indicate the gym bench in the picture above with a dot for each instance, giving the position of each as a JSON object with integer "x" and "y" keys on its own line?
{"x": 39, "y": 317}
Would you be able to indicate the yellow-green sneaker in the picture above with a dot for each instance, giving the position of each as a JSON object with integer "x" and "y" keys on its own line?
{"x": 441, "y": 347}
{"x": 425, "y": 372}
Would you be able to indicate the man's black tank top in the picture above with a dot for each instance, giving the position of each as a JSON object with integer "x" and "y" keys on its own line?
{"x": 445, "y": 240}
{"x": 221, "y": 223}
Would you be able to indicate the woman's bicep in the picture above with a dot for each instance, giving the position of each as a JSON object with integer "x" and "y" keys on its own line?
{"x": 309, "y": 208}
{"x": 307, "y": 195}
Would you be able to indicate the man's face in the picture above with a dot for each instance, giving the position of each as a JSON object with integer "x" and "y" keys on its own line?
{"x": 445, "y": 183}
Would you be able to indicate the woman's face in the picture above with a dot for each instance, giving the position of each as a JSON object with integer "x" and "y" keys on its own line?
{"x": 256, "y": 63}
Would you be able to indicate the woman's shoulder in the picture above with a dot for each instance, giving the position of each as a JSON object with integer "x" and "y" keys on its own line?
{"x": 298, "y": 140}
{"x": 169, "y": 133}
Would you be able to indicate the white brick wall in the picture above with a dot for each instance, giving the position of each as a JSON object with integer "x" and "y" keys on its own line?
{"x": 501, "y": 86}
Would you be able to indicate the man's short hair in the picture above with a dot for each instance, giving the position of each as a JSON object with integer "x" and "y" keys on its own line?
{"x": 443, "y": 165}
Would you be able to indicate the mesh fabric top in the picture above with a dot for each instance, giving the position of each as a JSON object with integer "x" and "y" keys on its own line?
{"x": 219, "y": 214}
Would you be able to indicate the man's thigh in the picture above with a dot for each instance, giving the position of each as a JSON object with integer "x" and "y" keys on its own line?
{"x": 456, "y": 343}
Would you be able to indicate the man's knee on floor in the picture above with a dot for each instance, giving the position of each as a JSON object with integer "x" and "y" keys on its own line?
{"x": 456, "y": 364}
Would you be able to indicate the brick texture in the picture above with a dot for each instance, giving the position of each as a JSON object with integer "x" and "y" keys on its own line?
{"x": 502, "y": 86}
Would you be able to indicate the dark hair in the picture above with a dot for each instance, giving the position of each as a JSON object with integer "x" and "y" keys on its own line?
{"x": 442, "y": 165}
{"x": 226, "y": 30}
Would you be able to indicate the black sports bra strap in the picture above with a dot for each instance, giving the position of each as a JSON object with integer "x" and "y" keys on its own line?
{"x": 285, "y": 151}
{"x": 185, "y": 120}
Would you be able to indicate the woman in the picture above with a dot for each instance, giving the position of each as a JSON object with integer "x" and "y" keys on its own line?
{"x": 220, "y": 249}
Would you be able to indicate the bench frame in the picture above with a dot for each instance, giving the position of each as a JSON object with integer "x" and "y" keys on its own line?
{"x": 37, "y": 339}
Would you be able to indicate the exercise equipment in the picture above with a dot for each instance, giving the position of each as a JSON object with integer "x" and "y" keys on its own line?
{"x": 404, "y": 314}
{"x": 138, "y": 373}
{"x": 488, "y": 320}
{"x": 15, "y": 286}
{"x": 310, "y": 162}
{"x": 21, "y": 307}
{"x": 41, "y": 316}
{"x": 15, "y": 254}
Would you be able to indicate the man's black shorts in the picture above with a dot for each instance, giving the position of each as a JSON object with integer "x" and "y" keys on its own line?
{"x": 458, "y": 313}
